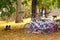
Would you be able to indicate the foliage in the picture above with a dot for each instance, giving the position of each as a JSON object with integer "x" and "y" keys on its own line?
{"x": 27, "y": 7}
{"x": 39, "y": 4}
{"x": 48, "y": 3}
{"x": 51, "y": 3}
{"x": 9, "y": 7}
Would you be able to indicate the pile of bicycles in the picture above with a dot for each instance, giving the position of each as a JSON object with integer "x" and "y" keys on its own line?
{"x": 40, "y": 26}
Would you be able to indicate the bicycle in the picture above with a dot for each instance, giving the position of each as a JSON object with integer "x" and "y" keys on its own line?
{"x": 44, "y": 28}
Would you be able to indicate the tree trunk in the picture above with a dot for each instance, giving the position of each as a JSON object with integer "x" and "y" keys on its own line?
{"x": 34, "y": 8}
{"x": 18, "y": 11}
{"x": 46, "y": 14}
{"x": 44, "y": 8}
{"x": 41, "y": 9}
{"x": 5, "y": 18}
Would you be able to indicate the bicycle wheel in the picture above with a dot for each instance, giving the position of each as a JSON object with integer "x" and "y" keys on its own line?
{"x": 55, "y": 27}
{"x": 28, "y": 28}
{"x": 47, "y": 30}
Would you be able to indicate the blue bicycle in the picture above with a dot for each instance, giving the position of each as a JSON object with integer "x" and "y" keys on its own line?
{"x": 30, "y": 27}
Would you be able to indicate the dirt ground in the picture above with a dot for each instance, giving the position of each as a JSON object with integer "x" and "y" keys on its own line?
{"x": 17, "y": 33}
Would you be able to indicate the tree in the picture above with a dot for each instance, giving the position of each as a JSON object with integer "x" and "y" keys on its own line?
{"x": 18, "y": 11}
{"x": 49, "y": 4}
{"x": 7, "y": 7}
{"x": 34, "y": 8}
{"x": 27, "y": 7}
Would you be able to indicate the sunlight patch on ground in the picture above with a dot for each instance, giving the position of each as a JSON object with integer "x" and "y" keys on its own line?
{"x": 4, "y": 23}
{"x": 27, "y": 20}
